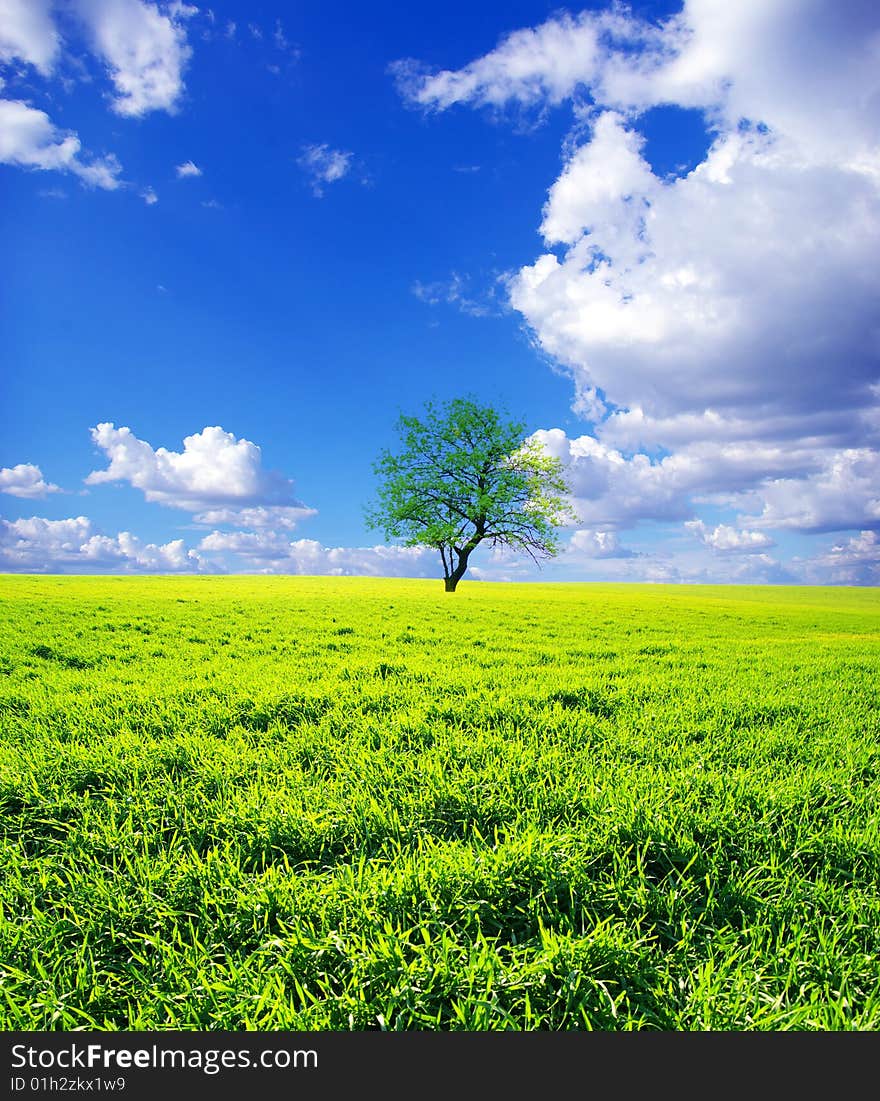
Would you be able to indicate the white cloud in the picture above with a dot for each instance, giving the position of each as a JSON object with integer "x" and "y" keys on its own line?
{"x": 598, "y": 187}
{"x": 588, "y": 543}
{"x": 145, "y": 49}
{"x": 284, "y": 517}
{"x": 792, "y": 66}
{"x": 29, "y": 139}
{"x": 149, "y": 196}
{"x": 28, "y": 32}
{"x": 772, "y": 487}
{"x": 727, "y": 540}
{"x": 178, "y": 9}
{"x": 611, "y": 489}
{"x": 282, "y": 42}
{"x": 73, "y": 545}
{"x": 720, "y": 327}
{"x": 270, "y": 552}
{"x": 25, "y": 480}
{"x": 323, "y": 165}
{"x": 726, "y": 290}
{"x": 127, "y": 550}
{"x": 252, "y": 545}
{"x": 187, "y": 169}
{"x": 141, "y": 42}
{"x": 456, "y": 292}
{"x": 26, "y": 539}
{"x": 842, "y": 495}
{"x": 853, "y": 562}
{"x": 545, "y": 64}
{"x": 214, "y": 470}
{"x": 667, "y": 564}
{"x": 800, "y": 432}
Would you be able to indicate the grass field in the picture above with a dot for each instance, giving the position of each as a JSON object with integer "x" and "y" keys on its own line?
{"x": 343, "y": 803}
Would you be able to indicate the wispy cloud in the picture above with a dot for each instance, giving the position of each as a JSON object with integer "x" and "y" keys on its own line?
{"x": 456, "y": 291}
{"x": 323, "y": 165}
{"x": 187, "y": 169}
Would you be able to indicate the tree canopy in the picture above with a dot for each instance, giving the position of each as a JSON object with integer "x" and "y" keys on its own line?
{"x": 465, "y": 475}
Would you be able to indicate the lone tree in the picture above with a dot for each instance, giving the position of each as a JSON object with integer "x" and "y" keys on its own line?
{"x": 464, "y": 476}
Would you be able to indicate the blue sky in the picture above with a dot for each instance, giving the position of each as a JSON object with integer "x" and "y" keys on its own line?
{"x": 240, "y": 239}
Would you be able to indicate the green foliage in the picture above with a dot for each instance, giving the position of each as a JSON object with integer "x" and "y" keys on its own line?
{"x": 265, "y": 803}
{"x": 464, "y": 476}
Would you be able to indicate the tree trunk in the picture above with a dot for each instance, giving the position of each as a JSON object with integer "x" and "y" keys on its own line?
{"x": 453, "y": 578}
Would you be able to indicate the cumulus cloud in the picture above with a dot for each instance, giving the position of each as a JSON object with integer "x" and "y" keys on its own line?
{"x": 283, "y": 517}
{"x": 29, "y": 139}
{"x": 787, "y": 65}
{"x": 727, "y": 540}
{"x": 143, "y": 45}
{"x": 723, "y": 291}
{"x": 28, "y": 33}
{"x": 855, "y": 561}
{"x": 73, "y": 545}
{"x": 145, "y": 49}
{"x": 612, "y": 489}
{"x": 25, "y": 480}
{"x": 588, "y": 543}
{"x": 271, "y": 552}
{"x": 719, "y": 324}
{"x": 323, "y": 165}
{"x": 843, "y": 494}
{"x": 214, "y": 470}
{"x": 187, "y": 169}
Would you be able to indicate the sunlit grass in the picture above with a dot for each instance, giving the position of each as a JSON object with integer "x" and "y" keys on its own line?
{"x": 299, "y": 803}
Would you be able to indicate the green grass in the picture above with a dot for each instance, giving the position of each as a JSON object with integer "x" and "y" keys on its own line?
{"x": 298, "y": 803}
